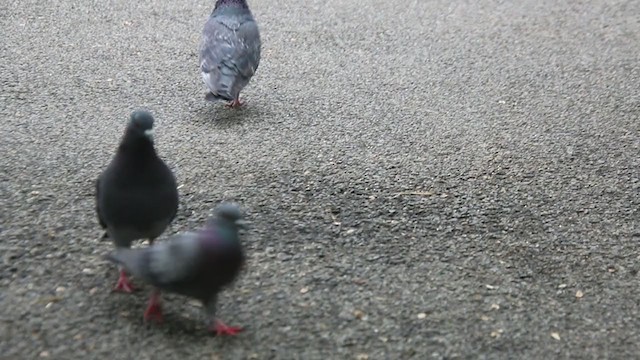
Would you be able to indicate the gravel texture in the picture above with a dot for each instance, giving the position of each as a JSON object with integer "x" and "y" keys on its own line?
{"x": 426, "y": 179}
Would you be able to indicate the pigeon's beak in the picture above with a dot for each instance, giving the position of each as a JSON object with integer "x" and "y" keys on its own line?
{"x": 242, "y": 223}
{"x": 149, "y": 134}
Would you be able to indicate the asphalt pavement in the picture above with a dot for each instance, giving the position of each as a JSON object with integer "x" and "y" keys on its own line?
{"x": 425, "y": 179}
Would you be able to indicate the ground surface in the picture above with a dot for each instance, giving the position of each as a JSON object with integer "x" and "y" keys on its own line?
{"x": 426, "y": 179}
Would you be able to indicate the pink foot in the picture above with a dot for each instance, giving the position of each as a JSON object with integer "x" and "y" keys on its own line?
{"x": 154, "y": 310}
{"x": 220, "y": 329}
{"x": 235, "y": 104}
{"x": 123, "y": 284}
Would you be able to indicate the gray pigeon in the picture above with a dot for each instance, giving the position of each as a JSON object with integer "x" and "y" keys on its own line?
{"x": 195, "y": 264}
{"x": 136, "y": 195}
{"x": 229, "y": 50}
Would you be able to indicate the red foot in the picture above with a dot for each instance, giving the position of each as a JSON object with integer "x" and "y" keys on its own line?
{"x": 220, "y": 329}
{"x": 154, "y": 310}
{"x": 235, "y": 104}
{"x": 123, "y": 284}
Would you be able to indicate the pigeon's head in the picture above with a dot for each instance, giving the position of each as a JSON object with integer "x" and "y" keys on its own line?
{"x": 141, "y": 124}
{"x": 231, "y": 3}
{"x": 230, "y": 214}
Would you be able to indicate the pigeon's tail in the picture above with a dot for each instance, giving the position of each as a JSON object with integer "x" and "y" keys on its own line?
{"x": 220, "y": 84}
{"x": 130, "y": 259}
{"x": 213, "y": 97}
{"x": 115, "y": 258}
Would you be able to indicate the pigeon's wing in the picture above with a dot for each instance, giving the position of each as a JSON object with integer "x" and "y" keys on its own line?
{"x": 214, "y": 45}
{"x": 103, "y": 224}
{"x": 176, "y": 261}
{"x": 165, "y": 264}
{"x": 230, "y": 43}
{"x": 171, "y": 186}
{"x": 249, "y": 58}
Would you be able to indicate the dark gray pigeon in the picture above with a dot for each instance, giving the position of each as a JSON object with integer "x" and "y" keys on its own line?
{"x": 136, "y": 195}
{"x": 229, "y": 50}
{"x": 195, "y": 264}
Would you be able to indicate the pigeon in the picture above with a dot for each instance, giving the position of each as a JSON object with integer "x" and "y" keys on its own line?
{"x": 194, "y": 264}
{"x": 136, "y": 195}
{"x": 229, "y": 51}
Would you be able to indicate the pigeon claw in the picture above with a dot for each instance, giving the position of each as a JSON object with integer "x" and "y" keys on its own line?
{"x": 220, "y": 329}
{"x": 123, "y": 284}
{"x": 236, "y": 103}
{"x": 154, "y": 309}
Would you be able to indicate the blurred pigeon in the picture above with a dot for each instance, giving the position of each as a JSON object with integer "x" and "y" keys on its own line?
{"x": 229, "y": 50}
{"x": 136, "y": 195}
{"x": 195, "y": 264}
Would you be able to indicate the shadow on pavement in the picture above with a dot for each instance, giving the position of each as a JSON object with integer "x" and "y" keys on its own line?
{"x": 220, "y": 116}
